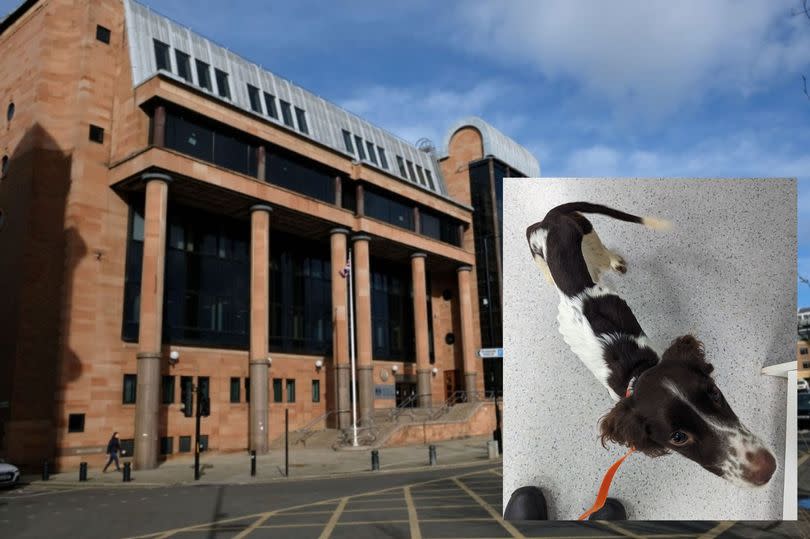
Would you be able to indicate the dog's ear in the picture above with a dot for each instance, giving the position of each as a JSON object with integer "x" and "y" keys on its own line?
{"x": 688, "y": 348}
{"x": 625, "y": 426}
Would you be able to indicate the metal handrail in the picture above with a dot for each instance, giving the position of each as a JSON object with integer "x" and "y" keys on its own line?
{"x": 306, "y": 431}
{"x": 402, "y": 407}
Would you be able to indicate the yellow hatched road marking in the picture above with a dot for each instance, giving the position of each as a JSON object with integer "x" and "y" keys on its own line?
{"x": 495, "y": 515}
{"x": 717, "y": 530}
{"x": 330, "y": 526}
{"x": 413, "y": 521}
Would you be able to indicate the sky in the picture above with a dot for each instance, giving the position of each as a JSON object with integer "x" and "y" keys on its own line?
{"x": 621, "y": 88}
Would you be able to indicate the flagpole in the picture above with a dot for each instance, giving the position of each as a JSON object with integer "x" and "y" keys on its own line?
{"x": 351, "y": 350}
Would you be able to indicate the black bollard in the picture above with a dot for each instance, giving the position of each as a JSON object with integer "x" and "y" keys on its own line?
{"x": 46, "y": 472}
{"x": 252, "y": 463}
{"x": 432, "y": 454}
{"x": 375, "y": 460}
{"x": 82, "y": 471}
{"x": 126, "y": 473}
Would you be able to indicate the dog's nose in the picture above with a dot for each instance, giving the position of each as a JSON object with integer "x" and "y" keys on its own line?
{"x": 760, "y": 468}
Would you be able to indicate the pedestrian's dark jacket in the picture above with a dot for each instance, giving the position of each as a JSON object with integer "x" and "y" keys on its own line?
{"x": 114, "y": 446}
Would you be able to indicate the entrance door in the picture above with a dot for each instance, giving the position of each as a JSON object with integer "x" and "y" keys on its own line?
{"x": 406, "y": 391}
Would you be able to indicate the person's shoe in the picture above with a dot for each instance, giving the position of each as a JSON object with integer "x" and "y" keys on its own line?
{"x": 526, "y": 503}
{"x": 612, "y": 510}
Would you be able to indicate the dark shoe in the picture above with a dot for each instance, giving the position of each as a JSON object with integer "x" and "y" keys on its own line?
{"x": 612, "y": 510}
{"x": 526, "y": 503}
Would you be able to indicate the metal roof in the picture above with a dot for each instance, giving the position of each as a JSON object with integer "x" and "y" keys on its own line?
{"x": 325, "y": 121}
{"x": 498, "y": 145}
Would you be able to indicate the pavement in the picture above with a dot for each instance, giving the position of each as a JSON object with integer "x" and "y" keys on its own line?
{"x": 303, "y": 462}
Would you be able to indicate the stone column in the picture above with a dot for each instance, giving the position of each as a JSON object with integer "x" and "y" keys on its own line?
{"x": 259, "y": 326}
{"x": 362, "y": 322}
{"x": 420, "y": 323}
{"x": 340, "y": 329}
{"x": 150, "y": 335}
{"x": 159, "y": 126}
{"x": 467, "y": 345}
{"x": 261, "y": 163}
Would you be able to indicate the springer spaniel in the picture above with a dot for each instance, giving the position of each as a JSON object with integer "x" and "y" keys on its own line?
{"x": 671, "y": 402}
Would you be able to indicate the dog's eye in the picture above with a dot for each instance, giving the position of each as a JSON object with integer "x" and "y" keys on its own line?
{"x": 679, "y": 438}
{"x": 714, "y": 394}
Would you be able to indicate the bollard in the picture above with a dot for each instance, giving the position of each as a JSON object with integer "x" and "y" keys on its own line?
{"x": 432, "y": 454}
{"x": 126, "y": 473}
{"x": 46, "y": 472}
{"x": 375, "y": 460}
{"x": 82, "y": 471}
{"x": 252, "y": 463}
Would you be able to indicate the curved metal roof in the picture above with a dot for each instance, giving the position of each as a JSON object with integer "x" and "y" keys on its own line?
{"x": 325, "y": 121}
{"x": 498, "y": 145}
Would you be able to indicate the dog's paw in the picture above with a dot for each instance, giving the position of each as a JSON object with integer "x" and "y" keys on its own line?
{"x": 618, "y": 263}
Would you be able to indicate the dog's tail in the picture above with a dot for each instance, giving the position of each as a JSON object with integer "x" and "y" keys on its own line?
{"x": 587, "y": 207}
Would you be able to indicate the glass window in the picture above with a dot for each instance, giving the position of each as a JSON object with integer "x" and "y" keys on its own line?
{"x": 162, "y": 59}
{"x": 401, "y": 165}
{"x": 185, "y": 444}
{"x": 286, "y": 113}
{"x": 430, "y": 180}
{"x": 223, "y": 88}
{"x": 130, "y": 388}
{"x": 203, "y": 75}
{"x": 247, "y": 389}
{"x": 299, "y": 174}
{"x": 316, "y": 391}
{"x": 411, "y": 175}
{"x": 290, "y": 390}
{"x": 277, "y": 395}
{"x": 166, "y": 445}
{"x": 421, "y": 175}
{"x": 270, "y": 103}
{"x": 167, "y": 389}
{"x": 372, "y": 155}
{"x": 233, "y": 153}
{"x": 391, "y": 312}
{"x": 301, "y": 116}
{"x": 203, "y": 442}
{"x": 183, "y": 64}
{"x": 348, "y": 194}
{"x": 430, "y": 224}
{"x": 186, "y": 388}
{"x": 347, "y": 141}
{"x": 383, "y": 159}
{"x": 76, "y": 423}
{"x": 186, "y": 135}
{"x": 235, "y": 387}
{"x": 103, "y": 34}
{"x": 388, "y": 208}
{"x": 361, "y": 152}
{"x": 255, "y": 101}
{"x": 803, "y": 351}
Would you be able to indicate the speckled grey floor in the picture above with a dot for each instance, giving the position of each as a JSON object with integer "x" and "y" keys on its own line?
{"x": 726, "y": 272}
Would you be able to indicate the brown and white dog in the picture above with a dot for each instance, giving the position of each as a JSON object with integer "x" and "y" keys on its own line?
{"x": 673, "y": 403}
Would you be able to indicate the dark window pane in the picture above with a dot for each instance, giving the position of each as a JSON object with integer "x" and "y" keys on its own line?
{"x": 290, "y": 390}
{"x": 316, "y": 391}
{"x": 203, "y": 386}
{"x": 247, "y": 389}
{"x": 430, "y": 225}
{"x": 411, "y": 175}
{"x": 102, "y": 34}
{"x": 203, "y": 75}
{"x": 96, "y": 134}
{"x": 361, "y": 151}
{"x": 255, "y": 101}
{"x": 183, "y": 64}
{"x": 185, "y": 444}
{"x": 76, "y": 423}
{"x": 421, "y": 175}
{"x": 430, "y": 180}
{"x": 270, "y": 103}
{"x": 203, "y": 442}
{"x": 391, "y": 312}
{"x": 277, "y": 390}
{"x": 235, "y": 387}
{"x": 234, "y": 154}
{"x": 223, "y": 87}
{"x": 186, "y": 135}
{"x": 349, "y": 194}
{"x": 162, "y": 56}
{"x": 186, "y": 388}
{"x": 301, "y": 116}
{"x": 383, "y": 159}
{"x": 401, "y": 165}
{"x": 167, "y": 389}
{"x": 388, "y": 208}
{"x": 347, "y": 141}
{"x": 300, "y": 174}
{"x": 166, "y": 445}
{"x": 128, "y": 447}
{"x": 130, "y": 387}
{"x": 371, "y": 154}
{"x": 286, "y": 113}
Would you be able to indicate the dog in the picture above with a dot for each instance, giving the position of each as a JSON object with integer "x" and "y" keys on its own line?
{"x": 664, "y": 404}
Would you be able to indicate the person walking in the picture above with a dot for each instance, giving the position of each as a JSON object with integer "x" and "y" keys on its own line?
{"x": 113, "y": 448}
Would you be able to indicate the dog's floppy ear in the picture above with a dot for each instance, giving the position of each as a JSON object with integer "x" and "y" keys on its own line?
{"x": 688, "y": 348}
{"x": 625, "y": 426}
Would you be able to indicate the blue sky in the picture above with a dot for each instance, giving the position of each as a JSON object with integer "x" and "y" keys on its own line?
{"x": 622, "y": 88}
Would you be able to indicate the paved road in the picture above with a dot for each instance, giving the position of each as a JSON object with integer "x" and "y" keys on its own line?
{"x": 450, "y": 502}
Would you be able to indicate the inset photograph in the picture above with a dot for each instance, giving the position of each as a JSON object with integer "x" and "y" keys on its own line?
{"x": 649, "y": 332}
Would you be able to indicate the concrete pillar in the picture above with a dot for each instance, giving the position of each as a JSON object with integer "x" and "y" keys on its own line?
{"x": 261, "y": 163}
{"x": 467, "y": 345}
{"x": 340, "y": 329}
{"x": 360, "y": 200}
{"x": 417, "y": 220}
{"x": 259, "y": 326}
{"x": 420, "y": 323}
{"x": 150, "y": 336}
{"x": 362, "y": 308}
{"x": 159, "y": 126}
{"x": 338, "y": 191}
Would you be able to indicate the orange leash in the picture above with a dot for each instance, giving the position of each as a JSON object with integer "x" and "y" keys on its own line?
{"x": 605, "y": 487}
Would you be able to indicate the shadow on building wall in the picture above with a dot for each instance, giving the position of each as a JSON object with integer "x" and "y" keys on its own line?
{"x": 39, "y": 257}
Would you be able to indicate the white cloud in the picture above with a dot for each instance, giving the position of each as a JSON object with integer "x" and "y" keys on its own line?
{"x": 649, "y": 56}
